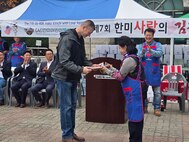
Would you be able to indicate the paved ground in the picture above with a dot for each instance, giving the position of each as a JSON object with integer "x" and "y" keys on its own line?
{"x": 42, "y": 125}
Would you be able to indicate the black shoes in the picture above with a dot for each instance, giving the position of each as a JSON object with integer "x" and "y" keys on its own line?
{"x": 40, "y": 104}
{"x": 47, "y": 105}
{"x": 1, "y": 102}
{"x": 22, "y": 105}
{"x": 17, "y": 105}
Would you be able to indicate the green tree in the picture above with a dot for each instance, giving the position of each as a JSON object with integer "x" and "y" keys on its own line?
{"x": 9, "y": 4}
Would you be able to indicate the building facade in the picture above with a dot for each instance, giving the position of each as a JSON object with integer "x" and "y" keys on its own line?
{"x": 174, "y": 8}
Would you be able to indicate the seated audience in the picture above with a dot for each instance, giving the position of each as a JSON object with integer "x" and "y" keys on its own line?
{"x": 26, "y": 71}
{"x": 44, "y": 80}
{"x": 5, "y": 72}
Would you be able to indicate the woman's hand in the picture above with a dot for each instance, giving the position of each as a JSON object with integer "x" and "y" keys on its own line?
{"x": 107, "y": 65}
{"x": 103, "y": 70}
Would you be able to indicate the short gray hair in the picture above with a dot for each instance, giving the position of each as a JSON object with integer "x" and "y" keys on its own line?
{"x": 88, "y": 23}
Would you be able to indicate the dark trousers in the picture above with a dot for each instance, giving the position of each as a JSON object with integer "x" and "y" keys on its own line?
{"x": 39, "y": 86}
{"x": 21, "y": 84}
{"x": 135, "y": 131}
{"x": 144, "y": 93}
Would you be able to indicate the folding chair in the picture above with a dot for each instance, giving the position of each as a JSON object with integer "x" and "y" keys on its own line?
{"x": 174, "y": 85}
{"x": 10, "y": 95}
{"x": 54, "y": 96}
{"x": 6, "y": 92}
{"x": 9, "y": 101}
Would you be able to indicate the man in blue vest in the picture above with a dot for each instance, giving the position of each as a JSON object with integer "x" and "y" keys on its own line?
{"x": 16, "y": 52}
{"x": 150, "y": 52}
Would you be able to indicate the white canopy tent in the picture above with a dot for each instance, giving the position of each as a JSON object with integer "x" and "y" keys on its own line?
{"x": 79, "y": 10}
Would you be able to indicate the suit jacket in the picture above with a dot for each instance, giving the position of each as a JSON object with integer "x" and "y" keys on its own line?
{"x": 6, "y": 69}
{"x": 27, "y": 73}
{"x": 42, "y": 76}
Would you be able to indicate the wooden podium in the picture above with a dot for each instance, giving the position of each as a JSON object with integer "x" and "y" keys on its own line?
{"x": 105, "y": 101}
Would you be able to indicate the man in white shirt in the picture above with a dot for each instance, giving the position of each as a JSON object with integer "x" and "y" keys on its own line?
{"x": 44, "y": 80}
{"x": 26, "y": 71}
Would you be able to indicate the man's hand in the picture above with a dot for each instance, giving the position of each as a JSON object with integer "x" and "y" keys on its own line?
{"x": 15, "y": 50}
{"x": 86, "y": 70}
{"x": 149, "y": 48}
{"x": 95, "y": 65}
{"x": 4, "y": 52}
{"x": 143, "y": 50}
{"x": 45, "y": 69}
{"x": 25, "y": 62}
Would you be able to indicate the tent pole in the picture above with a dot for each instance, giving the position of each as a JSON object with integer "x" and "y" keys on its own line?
{"x": 89, "y": 48}
{"x": 171, "y": 50}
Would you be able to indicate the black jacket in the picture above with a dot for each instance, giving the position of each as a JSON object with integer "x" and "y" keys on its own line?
{"x": 71, "y": 57}
{"x": 42, "y": 76}
{"x": 6, "y": 69}
{"x": 29, "y": 73}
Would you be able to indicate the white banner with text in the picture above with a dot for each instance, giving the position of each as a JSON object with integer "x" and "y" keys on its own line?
{"x": 165, "y": 28}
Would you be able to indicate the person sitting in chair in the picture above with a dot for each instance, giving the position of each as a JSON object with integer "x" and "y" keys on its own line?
{"x": 26, "y": 71}
{"x": 44, "y": 80}
{"x": 5, "y": 72}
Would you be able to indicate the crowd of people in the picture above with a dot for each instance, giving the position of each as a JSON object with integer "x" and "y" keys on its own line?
{"x": 10, "y": 56}
{"x": 140, "y": 68}
{"x": 16, "y": 60}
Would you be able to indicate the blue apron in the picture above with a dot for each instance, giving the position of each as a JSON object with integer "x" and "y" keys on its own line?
{"x": 16, "y": 58}
{"x": 151, "y": 66}
{"x": 133, "y": 94}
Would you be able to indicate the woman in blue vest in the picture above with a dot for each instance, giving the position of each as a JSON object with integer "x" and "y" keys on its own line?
{"x": 16, "y": 51}
{"x": 131, "y": 75}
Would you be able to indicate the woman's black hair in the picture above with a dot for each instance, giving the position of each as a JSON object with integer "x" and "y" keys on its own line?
{"x": 126, "y": 41}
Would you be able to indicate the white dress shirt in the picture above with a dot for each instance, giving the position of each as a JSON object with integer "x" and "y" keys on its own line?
{"x": 1, "y": 74}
